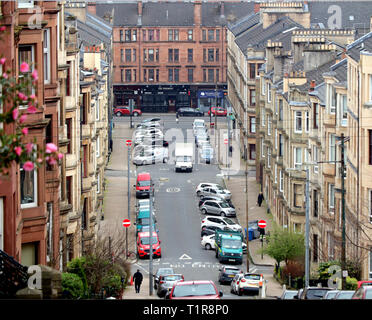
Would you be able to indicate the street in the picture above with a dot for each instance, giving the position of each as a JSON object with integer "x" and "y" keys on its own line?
{"x": 178, "y": 215}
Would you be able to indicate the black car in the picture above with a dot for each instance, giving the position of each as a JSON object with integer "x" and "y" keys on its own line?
{"x": 313, "y": 293}
{"x": 189, "y": 112}
{"x": 206, "y": 231}
{"x": 227, "y": 274}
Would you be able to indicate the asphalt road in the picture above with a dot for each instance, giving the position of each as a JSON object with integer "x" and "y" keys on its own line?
{"x": 178, "y": 215}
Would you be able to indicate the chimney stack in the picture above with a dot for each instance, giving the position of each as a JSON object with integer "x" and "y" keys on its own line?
{"x": 139, "y": 12}
{"x": 197, "y": 12}
{"x": 312, "y": 85}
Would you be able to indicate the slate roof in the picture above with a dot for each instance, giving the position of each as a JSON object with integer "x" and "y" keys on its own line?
{"x": 362, "y": 44}
{"x": 180, "y": 13}
{"x": 257, "y": 36}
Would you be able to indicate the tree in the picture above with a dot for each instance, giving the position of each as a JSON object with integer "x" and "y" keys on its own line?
{"x": 72, "y": 286}
{"x": 284, "y": 245}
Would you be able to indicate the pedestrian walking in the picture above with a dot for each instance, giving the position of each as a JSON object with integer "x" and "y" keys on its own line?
{"x": 260, "y": 199}
{"x": 177, "y": 116}
{"x": 138, "y": 277}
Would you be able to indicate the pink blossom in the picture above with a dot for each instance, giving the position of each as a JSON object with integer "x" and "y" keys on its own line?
{"x": 29, "y": 146}
{"x": 51, "y": 147}
{"x": 24, "y": 67}
{"x": 52, "y": 161}
{"x": 31, "y": 108}
{"x": 5, "y": 75}
{"x": 60, "y": 156}
{"x": 22, "y": 118}
{"x": 22, "y": 96}
{"x": 28, "y": 166}
{"x": 32, "y": 96}
{"x": 34, "y": 75}
{"x": 18, "y": 150}
{"x": 2, "y": 61}
{"x": 39, "y": 160}
{"x": 25, "y": 131}
{"x": 2, "y": 28}
{"x": 15, "y": 114}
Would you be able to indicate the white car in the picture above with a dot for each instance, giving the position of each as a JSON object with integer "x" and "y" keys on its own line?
{"x": 213, "y": 190}
{"x": 150, "y": 156}
{"x": 149, "y": 133}
{"x": 220, "y": 221}
{"x": 198, "y": 124}
{"x": 202, "y": 185}
{"x": 207, "y": 242}
{"x": 247, "y": 282}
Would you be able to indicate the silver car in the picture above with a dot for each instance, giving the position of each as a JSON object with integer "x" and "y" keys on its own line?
{"x": 217, "y": 207}
{"x": 151, "y": 156}
{"x": 166, "y": 283}
{"x": 215, "y": 191}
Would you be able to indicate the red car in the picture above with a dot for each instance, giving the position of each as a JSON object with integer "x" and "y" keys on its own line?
{"x": 124, "y": 111}
{"x": 363, "y": 293}
{"x": 218, "y": 110}
{"x": 143, "y": 244}
{"x": 201, "y": 289}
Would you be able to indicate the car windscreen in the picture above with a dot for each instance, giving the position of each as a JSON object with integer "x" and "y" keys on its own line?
{"x": 200, "y": 289}
{"x": 290, "y": 295}
{"x": 369, "y": 294}
{"x": 229, "y": 221}
{"x": 144, "y": 221}
{"x": 330, "y": 295}
{"x": 146, "y": 240}
{"x": 315, "y": 294}
{"x": 231, "y": 244}
{"x": 162, "y": 271}
{"x": 183, "y": 159}
{"x": 173, "y": 277}
{"x": 231, "y": 271}
{"x": 252, "y": 277}
{"x": 224, "y": 205}
{"x": 345, "y": 295}
{"x": 144, "y": 183}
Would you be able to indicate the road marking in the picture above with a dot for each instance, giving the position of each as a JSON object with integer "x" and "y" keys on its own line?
{"x": 185, "y": 257}
{"x": 174, "y": 189}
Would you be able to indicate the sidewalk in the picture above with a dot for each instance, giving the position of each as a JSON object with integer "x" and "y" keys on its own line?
{"x": 130, "y": 293}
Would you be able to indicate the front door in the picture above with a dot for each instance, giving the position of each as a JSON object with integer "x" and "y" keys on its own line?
{"x": 172, "y": 104}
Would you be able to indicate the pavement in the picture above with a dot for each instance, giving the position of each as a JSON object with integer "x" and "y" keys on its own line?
{"x": 115, "y": 209}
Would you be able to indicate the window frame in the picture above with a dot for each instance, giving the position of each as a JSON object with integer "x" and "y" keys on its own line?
{"x": 46, "y": 56}
{"x": 35, "y": 189}
{"x": 298, "y": 121}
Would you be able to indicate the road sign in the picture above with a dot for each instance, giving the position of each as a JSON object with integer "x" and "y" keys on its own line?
{"x": 262, "y": 224}
{"x": 126, "y": 223}
{"x": 128, "y": 143}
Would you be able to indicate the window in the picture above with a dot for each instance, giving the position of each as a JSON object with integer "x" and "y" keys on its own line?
{"x": 331, "y": 196}
{"x": 204, "y": 75}
{"x": 210, "y": 55}
{"x": 151, "y": 75}
{"x": 69, "y": 189}
{"x": 370, "y": 205}
{"x": 315, "y": 248}
{"x": 315, "y": 158}
{"x": 128, "y": 55}
{"x": 332, "y": 147}
{"x": 252, "y": 124}
{"x": 128, "y": 35}
{"x": 281, "y": 145}
{"x": 144, "y": 35}
{"x": 276, "y": 173}
{"x": 252, "y": 70}
{"x": 315, "y": 203}
{"x": 46, "y": 51}
{"x": 121, "y": 55}
{"x": 218, "y": 32}
{"x": 204, "y": 55}
{"x": 269, "y": 125}
{"x": 281, "y": 180}
{"x": 204, "y": 35}
{"x": 262, "y": 148}
{"x": 190, "y": 55}
{"x": 298, "y": 158}
{"x": 252, "y": 97}
{"x": 26, "y": 54}
{"x": 97, "y": 147}
{"x": 217, "y": 55}
{"x": 210, "y": 35}
{"x": 176, "y": 75}
{"x": 252, "y": 152}
{"x": 315, "y": 115}
{"x": 343, "y": 109}
{"x": 210, "y": 75}
{"x": 25, "y": 4}
{"x": 121, "y": 35}
{"x": 281, "y": 110}
{"x": 307, "y": 123}
{"x": 331, "y": 99}
{"x": 269, "y": 92}
{"x": 151, "y": 35}
{"x": 68, "y": 79}
{"x": 134, "y": 55}
{"x": 128, "y": 75}
{"x": 298, "y": 121}
{"x": 134, "y": 35}
{"x": 69, "y": 134}
{"x": 173, "y": 35}
{"x": 190, "y": 75}
{"x": 263, "y": 86}
{"x": 173, "y": 55}
{"x": 151, "y": 54}
{"x": 263, "y": 118}
{"x": 331, "y": 246}
{"x": 85, "y": 161}
{"x": 28, "y": 186}
{"x": 190, "y": 34}
{"x": 268, "y": 157}
{"x": 297, "y": 195}
{"x": 170, "y": 75}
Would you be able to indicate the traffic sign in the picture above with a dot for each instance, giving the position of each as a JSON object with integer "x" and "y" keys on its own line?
{"x": 262, "y": 224}
{"x": 126, "y": 223}
{"x": 225, "y": 141}
{"x": 128, "y": 142}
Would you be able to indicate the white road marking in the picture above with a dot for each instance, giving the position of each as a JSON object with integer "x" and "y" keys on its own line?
{"x": 185, "y": 257}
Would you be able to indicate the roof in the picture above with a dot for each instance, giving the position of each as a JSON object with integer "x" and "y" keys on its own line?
{"x": 244, "y": 24}
{"x": 143, "y": 175}
{"x": 357, "y": 47}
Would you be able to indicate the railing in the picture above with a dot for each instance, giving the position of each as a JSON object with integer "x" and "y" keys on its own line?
{"x": 13, "y": 276}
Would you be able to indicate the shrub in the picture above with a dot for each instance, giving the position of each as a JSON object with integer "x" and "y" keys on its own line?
{"x": 72, "y": 286}
{"x": 294, "y": 268}
{"x": 78, "y": 266}
{"x": 351, "y": 283}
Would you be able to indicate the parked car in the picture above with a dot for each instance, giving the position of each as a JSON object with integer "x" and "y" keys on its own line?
{"x": 148, "y": 120}
{"x": 198, "y": 123}
{"x": 218, "y": 191}
{"x": 151, "y": 156}
{"x": 121, "y": 111}
{"x": 313, "y": 293}
{"x": 227, "y": 274}
{"x": 206, "y": 184}
{"x": 218, "y": 208}
{"x": 198, "y": 289}
{"x": 288, "y": 295}
{"x": 166, "y": 283}
{"x": 363, "y": 293}
{"x": 148, "y": 125}
{"x": 143, "y": 185}
{"x": 217, "y": 111}
{"x": 344, "y": 295}
{"x": 161, "y": 272}
{"x": 206, "y": 154}
{"x": 143, "y": 245}
{"x": 329, "y": 295}
{"x": 364, "y": 283}
{"x": 201, "y": 201}
{"x": 208, "y": 242}
{"x": 208, "y": 230}
{"x": 221, "y": 221}
{"x": 247, "y": 282}
{"x": 158, "y": 142}
{"x": 191, "y": 112}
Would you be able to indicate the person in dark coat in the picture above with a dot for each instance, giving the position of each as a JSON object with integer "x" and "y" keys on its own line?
{"x": 260, "y": 199}
{"x": 137, "y": 277}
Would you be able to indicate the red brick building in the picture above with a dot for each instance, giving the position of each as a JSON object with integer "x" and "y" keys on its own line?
{"x": 30, "y": 200}
{"x": 170, "y": 54}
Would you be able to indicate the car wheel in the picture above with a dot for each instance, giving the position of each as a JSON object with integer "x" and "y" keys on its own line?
{"x": 198, "y": 193}
{"x": 135, "y": 114}
{"x": 165, "y": 160}
{"x": 232, "y": 290}
{"x": 222, "y": 214}
{"x": 204, "y": 211}
{"x": 118, "y": 114}
{"x": 201, "y": 197}
{"x": 208, "y": 246}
